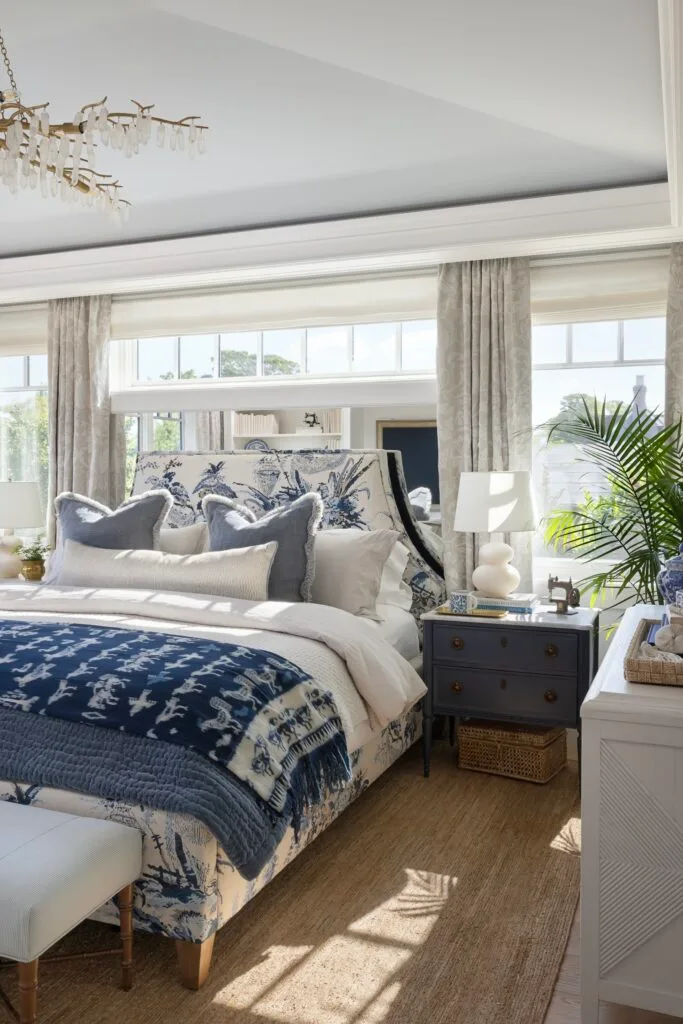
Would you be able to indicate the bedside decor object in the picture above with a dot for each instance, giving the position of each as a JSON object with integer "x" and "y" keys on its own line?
{"x": 20, "y": 508}
{"x": 495, "y": 503}
{"x": 535, "y": 754}
{"x": 568, "y": 604}
{"x": 526, "y": 669}
{"x": 670, "y": 577}
{"x": 461, "y": 602}
{"x": 644, "y": 663}
{"x": 523, "y": 604}
{"x": 33, "y": 560}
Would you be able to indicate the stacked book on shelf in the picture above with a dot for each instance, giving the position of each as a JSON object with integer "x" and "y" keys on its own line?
{"x": 521, "y": 604}
{"x": 252, "y": 424}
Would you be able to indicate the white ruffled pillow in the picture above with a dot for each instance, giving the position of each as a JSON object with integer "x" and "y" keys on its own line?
{"x": 240, "y": 572}
{"x": 348, "y": 568}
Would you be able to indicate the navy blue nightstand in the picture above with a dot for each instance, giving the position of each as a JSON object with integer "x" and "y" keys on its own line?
{"x": 530, "y": 669}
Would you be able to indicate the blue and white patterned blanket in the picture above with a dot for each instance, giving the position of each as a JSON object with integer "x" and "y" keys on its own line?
{"x": 250, "y": 712}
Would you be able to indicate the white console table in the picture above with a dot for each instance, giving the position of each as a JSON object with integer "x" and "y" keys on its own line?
{"x": 632, "y": 838}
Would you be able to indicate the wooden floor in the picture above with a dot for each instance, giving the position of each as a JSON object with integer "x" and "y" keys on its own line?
{"x": 565, "y": 1007}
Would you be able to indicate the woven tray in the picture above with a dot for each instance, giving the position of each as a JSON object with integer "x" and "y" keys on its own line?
{"x": 519, "y": 752}
{"x": 645, "y": 670}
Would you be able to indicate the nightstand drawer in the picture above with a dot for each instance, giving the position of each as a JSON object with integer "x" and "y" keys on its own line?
{"x": 516, "y": 649}
{"x": 470, "y": 691}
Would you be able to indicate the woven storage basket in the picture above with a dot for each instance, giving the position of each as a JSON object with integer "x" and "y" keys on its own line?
{"x": 646, "y": 670}
{"x": 520, "y": 752}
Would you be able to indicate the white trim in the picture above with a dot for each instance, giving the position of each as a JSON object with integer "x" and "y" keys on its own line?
{"x": 671, "y": 59}
{"x": 280, "y": 393}
{"x": 605, "y": 219}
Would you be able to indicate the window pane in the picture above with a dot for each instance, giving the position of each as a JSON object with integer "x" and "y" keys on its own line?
{"x": 198, "y": 353}
{"x": 157, "y": 359}
{"x": 12, "y": 372}
{"x": 37, "y": 371}
{"x": 239, "y": 354}
{"x": 282, "y": 352}
{"x": 549, "y": 343}
{"x": 167, "y": 432}
{"x": 595, "y": 343}
{"x": 555, "y": 391}
{"x": 374, "y": 347}
{"x": 327, "y": 350}
{"x": 645, "y": 339}
{"x": 132, "y": 429}
{"x": 24, "y": 437}
{"x": 418, "y": 345}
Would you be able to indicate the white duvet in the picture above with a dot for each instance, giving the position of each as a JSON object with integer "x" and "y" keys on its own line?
{"x": 372, "y": 684}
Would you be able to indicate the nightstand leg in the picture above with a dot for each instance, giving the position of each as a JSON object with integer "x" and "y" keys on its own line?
{"x": 426, "y": 742}
{"x": 451, "y": 730}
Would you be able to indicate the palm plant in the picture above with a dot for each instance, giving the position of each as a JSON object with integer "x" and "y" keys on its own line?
{"x": 637, "y": 521}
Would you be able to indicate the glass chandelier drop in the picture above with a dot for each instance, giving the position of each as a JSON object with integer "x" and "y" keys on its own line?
{"x": 59, "y": 158}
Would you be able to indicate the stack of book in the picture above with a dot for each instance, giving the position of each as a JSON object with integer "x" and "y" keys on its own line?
{"x": 522, "y": 604}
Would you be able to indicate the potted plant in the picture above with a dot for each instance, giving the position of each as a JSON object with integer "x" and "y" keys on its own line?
{"x": 33, "y": 560}
{"x": 635, "y": 523}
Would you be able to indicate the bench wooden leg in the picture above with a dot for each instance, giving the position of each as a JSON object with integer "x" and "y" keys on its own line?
{"x": 125, "y": 901}
{"x": 194, "y": 961}
{"x": 28, "y": 992}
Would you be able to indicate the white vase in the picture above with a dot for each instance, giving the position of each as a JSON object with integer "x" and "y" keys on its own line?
{"x": 494, "y": 576}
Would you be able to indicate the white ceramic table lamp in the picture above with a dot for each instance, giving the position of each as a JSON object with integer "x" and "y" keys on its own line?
{"x": 495, "y": 503}
{"x": 20, "y": 508}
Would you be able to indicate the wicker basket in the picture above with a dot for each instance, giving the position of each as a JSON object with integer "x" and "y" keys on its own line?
{"x": 520, "y": 752}
{"x": 646, "y": 670}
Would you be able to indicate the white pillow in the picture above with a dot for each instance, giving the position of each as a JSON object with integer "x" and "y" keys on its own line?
{"x": 185, "y": 540}
{"x": 392, "y": 588}
{"x": 348, "y": 568}
{"x": 241, "y": 572}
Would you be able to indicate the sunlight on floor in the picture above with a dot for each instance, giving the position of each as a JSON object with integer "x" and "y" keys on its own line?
{"x": 568, "y": 839}
{"x": 351, "y": 977}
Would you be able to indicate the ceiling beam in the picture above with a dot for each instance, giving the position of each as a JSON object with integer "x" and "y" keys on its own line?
{"x": 600, "y": 220}
{"x": 671, "y": 60}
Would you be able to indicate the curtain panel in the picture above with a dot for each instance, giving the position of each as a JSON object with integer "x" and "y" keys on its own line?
{"x": 483, "y": 392}
{"x": 212, "y": 431}
{"x": 86, "y": 444}
{"x": 673, "y": 370}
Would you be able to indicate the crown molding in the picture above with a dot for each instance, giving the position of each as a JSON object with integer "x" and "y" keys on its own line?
{"x": 671, "y": 62}
{"x": 633, "y": 217}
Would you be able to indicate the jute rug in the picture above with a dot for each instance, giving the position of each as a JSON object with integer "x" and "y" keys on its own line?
{"x": 438, "y": 901}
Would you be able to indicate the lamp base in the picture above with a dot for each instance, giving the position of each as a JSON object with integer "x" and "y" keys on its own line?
{"x": 10, "y": 563}
{"x": 494, "y": 576}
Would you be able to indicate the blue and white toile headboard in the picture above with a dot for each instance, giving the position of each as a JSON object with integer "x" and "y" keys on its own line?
{"x": 364, "y": 489}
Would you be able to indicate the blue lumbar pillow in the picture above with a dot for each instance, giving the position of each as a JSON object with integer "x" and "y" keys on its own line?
{"x": 293, "y": 527}
{"x": 134, "y": 524}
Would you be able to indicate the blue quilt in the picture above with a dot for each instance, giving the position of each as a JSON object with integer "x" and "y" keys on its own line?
{"x": 250, "y": 712}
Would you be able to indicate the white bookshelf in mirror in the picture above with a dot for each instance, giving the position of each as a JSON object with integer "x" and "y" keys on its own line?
{"x": 291, "y": 428}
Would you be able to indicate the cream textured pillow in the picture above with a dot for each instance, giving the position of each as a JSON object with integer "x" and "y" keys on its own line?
{"x": 392, "y": 588}
{"x": 184, "y": 540}
{"x": 348, "y": 568}
{"x": 241, "y": 572}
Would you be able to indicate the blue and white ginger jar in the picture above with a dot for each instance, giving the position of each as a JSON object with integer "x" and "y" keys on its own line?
{"x": 670, "y": 577}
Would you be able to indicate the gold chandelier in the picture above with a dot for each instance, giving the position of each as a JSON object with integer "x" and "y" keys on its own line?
{"x": 59, "y": 158}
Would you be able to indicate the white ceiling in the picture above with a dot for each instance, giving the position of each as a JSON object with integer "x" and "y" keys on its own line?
{"x": 323, "y": 109}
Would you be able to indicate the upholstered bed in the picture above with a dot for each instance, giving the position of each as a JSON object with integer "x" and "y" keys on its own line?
{"x": 189, "y": 888}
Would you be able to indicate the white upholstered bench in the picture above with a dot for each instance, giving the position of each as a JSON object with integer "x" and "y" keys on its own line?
{"x": 55, "y": 871}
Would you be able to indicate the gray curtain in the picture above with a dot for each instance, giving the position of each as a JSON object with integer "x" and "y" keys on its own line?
{"x": 483, "y": 392}
{"x": 212, "y": 432}
{"x": 673, "y": 373}
{"x": 87, "y": 444}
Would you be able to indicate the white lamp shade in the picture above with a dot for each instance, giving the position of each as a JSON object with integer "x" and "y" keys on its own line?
{"x": 20, "y": 506}
{"x": 495, "y": 503}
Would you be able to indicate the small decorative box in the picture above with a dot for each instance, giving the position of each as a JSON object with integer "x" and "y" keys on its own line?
{"x": 534, "y": 754}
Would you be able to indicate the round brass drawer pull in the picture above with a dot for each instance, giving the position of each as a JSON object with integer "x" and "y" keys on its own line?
{"x": 550, "y": 696}
{"x": 456, "y": 687}
{"x": 551, "y": 651}
{"x": 458, "y": 643}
